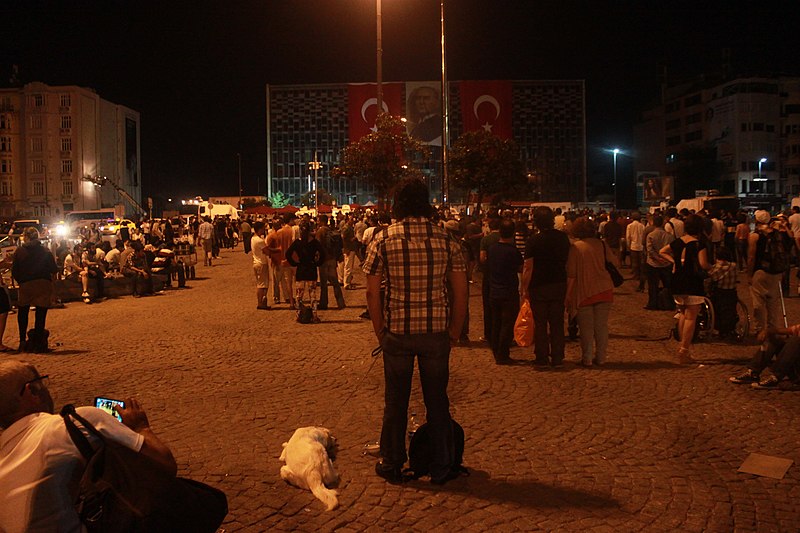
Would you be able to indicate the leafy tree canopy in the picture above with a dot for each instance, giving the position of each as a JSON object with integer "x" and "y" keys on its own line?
{"x": 325, "y": 198}
{"x": 384, "y": 157}
{"x": 486, "y": 164}
{"x": 278, "y": 200}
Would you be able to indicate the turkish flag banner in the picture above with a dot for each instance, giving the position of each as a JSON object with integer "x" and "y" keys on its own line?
{"x": 487, "y": 105}
{"x": 362, "y": 100}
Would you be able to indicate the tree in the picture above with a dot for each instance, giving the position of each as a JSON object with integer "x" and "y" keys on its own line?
{"x": 252, "y": 202}
{"x": 325, "y": 198}
{"x": 486, "y": 164}
{"x": 383, "y": 157}
{"x": 278, "y": 200}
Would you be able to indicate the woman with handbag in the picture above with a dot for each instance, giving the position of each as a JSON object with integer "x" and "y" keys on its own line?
{"x": 590, "y": 290}
{"x": 690, "y": 260}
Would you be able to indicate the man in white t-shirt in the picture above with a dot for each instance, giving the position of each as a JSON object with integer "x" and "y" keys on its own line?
{"x": 794, "y": 225}
{"x": 261, "y": 264}
{"x": 39, "y": 464}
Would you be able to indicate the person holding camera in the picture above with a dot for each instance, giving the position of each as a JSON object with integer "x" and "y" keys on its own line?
{"x": 40, "y": 465}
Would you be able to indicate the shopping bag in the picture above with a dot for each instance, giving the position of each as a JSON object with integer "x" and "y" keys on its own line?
{"x": 523, "y": 327}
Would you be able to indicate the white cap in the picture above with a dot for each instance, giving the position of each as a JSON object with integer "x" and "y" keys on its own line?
{"x": 762, "y": 217}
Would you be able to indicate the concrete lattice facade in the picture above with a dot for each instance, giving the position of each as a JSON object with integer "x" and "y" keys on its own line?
{"x": 53, "y": 137}
{"x": 548, "y": 123}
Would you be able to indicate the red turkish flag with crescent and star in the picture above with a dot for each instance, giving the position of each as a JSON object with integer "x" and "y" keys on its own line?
{"x": 362, "y": 99}
{"x": 487, "y": 105}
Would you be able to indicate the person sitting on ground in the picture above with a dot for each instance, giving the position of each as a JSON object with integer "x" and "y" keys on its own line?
{"x": 40, "y": 465}
{"x": 783, "y": 342}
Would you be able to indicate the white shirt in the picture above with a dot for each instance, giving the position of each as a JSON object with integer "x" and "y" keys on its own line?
{"x": 674, "y": 227}
{"x": 633, "y": 234}
{"x": 559, "y": 221}
{"x": 794, "y": 224}
{"x": 257, "y": 244}
{"x": 717, "y": 230}
{"x": 40, "y": 464}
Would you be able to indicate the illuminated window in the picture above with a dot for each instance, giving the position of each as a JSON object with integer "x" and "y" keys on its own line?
{"x": 66, "y": 188}
{"x": 36, "y": 144}
{"x": 66, "y": 122}
{"x": 66, "y": 144}
{"x": 38, "y": 188}
{"x": 66, "y": 166}
{"x": 66, "y": 100}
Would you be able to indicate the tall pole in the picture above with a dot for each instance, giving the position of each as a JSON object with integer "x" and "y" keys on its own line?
{"x": 445, "y": 115}
{"x": 316, "y": 188}
{"x": 616, "y": 151}
{"x": 239, "y": 158}
{"x": 379, "y": 59}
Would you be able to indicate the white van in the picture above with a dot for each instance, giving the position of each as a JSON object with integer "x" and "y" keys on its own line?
{"x": 212, "y": 210}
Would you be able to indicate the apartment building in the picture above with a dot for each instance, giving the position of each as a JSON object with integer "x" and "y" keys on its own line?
{"x": 52, "y": 138}
{"x": 749, "y": 125}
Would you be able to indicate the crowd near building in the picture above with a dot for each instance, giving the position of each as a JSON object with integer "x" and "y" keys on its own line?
{"x": 52, "y": 138}
{"x": 748, "y": 128}
{"x": 547, "y": 120}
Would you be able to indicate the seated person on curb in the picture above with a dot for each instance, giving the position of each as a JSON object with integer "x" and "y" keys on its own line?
{"x": 785, "y": 370}
{"x": 40, "y": 465}
{"x": 137, "y": 269}
{"x": 113, "y": 257}
{"x": 93, "y": 267}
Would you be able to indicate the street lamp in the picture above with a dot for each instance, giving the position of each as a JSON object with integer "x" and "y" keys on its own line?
{"x": 615, "y": 151}
{"x": 761, "y": 162}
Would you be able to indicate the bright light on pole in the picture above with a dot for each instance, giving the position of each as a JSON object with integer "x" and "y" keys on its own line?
{"x": 761, "y": 162}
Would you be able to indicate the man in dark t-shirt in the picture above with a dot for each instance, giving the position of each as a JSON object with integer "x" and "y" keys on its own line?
{"x": 544, "y": 284}
{"x": 504, "y": 262}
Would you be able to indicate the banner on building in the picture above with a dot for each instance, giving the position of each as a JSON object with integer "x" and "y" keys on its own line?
{"x": 655, "y": 188}
{"x": 362, "y": 99}
{"x": 424, "y": 111}
{"x": 486, "y": 105}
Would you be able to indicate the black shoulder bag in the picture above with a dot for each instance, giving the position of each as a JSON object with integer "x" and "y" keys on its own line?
{"x": 121, "y": 490}
{"x": 616, "y": 277}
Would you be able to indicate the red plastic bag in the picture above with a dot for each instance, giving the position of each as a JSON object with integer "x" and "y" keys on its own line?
{"x": 523, "y": 327}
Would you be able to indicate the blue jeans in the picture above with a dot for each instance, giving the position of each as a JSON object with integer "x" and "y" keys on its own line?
{"x": 327, "y": 275}
{"x": 433, "y": 354}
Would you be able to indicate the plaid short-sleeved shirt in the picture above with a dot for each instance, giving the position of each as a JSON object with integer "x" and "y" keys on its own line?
{"x": 414, "y": 256}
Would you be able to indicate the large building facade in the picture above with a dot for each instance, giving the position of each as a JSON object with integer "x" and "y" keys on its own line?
{"x": 750, "y": 126}
{"x": 545, "y": 118}
{"x": 52, "y": 139}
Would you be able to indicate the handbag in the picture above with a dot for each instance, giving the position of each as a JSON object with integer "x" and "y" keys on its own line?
{"x": 123, "y": 491}
{"x": 523, "y": 326}
{"x": 616, "y": 277}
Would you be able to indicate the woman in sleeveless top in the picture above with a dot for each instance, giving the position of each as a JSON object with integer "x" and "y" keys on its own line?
{"x": 690, "y": 261}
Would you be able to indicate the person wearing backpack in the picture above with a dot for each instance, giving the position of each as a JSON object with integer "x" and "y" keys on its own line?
{"x": 767, "y": 260}
{"x": 40, "y": 463}
{"x": 418, "y": 318}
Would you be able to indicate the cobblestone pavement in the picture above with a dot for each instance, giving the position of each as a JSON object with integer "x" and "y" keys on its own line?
{"x": 640, "y": 445}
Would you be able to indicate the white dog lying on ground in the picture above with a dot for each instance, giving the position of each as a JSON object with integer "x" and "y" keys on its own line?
{"x": 309, "y": 456}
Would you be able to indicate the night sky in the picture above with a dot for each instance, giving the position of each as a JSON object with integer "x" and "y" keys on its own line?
{"x": 196, "y": 70}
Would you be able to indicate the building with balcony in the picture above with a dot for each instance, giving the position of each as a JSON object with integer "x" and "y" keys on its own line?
{"x": 749, "y": 127}
{"x": 547, "y": 123}
{"x": 51, "y": 138}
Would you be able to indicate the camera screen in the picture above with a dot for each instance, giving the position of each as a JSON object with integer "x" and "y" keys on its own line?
{"x": 107, "y": 405}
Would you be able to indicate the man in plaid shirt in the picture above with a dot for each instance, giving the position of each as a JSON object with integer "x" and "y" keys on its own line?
{"x": 421, "y": 314}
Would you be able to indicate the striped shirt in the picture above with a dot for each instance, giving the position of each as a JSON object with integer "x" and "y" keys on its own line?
{"x": 724, "y": 274}
{"x": 414, "y": 256}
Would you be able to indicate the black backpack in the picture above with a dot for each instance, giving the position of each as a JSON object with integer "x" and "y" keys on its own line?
{"x": 419, "y": 452}
{"x": 776, "y": 259}
{"x": 335, "y": 246}
{"x": 305, "y": 315}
